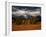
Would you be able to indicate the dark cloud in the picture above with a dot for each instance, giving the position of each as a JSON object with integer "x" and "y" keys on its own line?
{"x": 26, "y": 8}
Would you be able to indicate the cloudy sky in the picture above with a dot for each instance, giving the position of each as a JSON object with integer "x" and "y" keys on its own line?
{"x": 25, "y": 10}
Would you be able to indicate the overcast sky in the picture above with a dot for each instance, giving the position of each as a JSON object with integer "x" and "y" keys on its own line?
{"x": 25, "y": 10}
